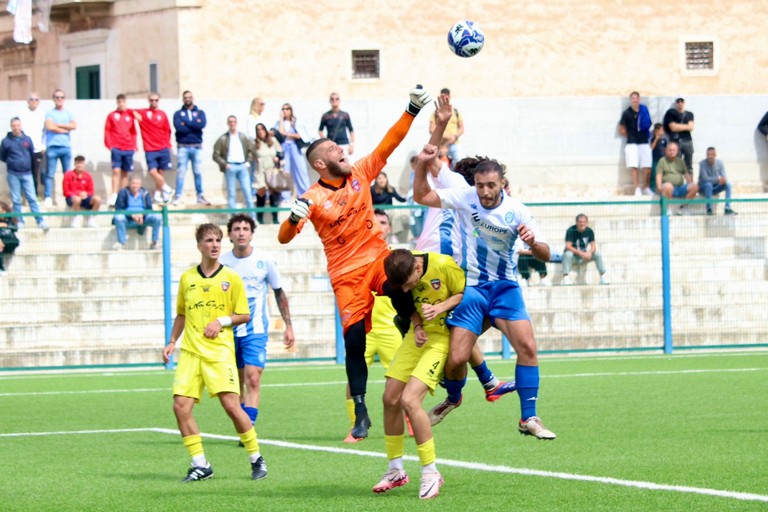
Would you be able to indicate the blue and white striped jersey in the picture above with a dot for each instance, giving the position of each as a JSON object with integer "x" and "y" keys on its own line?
{"x": 257, "y": 271}
{"x": 489, "y": 246}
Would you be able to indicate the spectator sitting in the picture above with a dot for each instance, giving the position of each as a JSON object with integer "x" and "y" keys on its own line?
{"x": 580, "y": 246}
{"x": 527, "y": 262}
{"x": 78, "y": 191}
{"x": 133, "y": 200}
{"x": 382, "y": 191}
{"x": 8, "y": 239}
{"x": 713, "y": 180}
{"x": 673, "y": 178}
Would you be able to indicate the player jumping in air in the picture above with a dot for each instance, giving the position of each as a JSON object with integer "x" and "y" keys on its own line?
{"x": 496, "y": 221}
{"x": 340, "y": 208}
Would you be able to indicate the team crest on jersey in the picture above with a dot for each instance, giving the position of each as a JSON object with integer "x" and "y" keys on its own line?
{"x": 327, "y": 204}
{"x": 260, "y": 265}
{"x": 225, "y": 285}
{"x": 509, "y": 217}
{"x": 435, "y": 284}
{"x": 356, "y": 185}
{"x": 345, "y": 316}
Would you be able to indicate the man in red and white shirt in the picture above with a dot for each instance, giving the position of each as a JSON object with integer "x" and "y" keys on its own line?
{"x": 156, "y": 135}
{"x": 120, "y": 139}
{"x": 78, "y": 192}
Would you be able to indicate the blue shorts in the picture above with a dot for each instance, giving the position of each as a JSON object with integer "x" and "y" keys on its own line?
{"x": 680, "y": 191}
{"x": 85, "y": 204}
{"x": 492, "y": 300}
{"x": 160, "y": 160}
{"x": 251, "y": 350}
{"x": 122, "y": 159}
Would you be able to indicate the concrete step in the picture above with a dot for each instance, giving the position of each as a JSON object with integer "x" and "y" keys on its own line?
{"x": 140, "y": 308}
{"x": 83, "y": 288}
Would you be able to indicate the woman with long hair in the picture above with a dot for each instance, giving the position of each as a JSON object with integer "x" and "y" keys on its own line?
{"x": 383, "y": 192}
{"x": 252, "y": 119}
{"x": 268, "y": 152}
{"x": 294, "y": 161}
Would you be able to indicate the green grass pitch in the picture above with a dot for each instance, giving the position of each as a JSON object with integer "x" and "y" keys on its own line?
{"x": 686, "y": 432}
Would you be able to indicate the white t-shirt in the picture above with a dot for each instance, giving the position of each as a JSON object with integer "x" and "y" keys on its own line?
{"x": 257, "y": 271}
{"x": 33, "y": 125}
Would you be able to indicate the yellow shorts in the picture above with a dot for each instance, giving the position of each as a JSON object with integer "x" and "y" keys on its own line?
{"x": 426, "y": 363}
{"x": 383, "y": 342}
{"x": 192, "y": 373}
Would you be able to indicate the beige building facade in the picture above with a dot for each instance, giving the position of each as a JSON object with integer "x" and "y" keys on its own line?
{"x": 295, "y": 48}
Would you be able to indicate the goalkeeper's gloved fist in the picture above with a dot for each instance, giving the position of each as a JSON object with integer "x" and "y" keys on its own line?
{"x": 419, "y": 98}
{"x": 299, "y": 210}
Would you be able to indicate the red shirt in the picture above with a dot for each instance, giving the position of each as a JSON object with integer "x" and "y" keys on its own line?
{"x": 120, "y": 131}
{"x": 155, "y": 129}
{"x": 74, "y": 184}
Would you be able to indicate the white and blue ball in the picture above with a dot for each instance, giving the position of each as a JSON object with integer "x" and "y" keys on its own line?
{"x": 466, "y": 38}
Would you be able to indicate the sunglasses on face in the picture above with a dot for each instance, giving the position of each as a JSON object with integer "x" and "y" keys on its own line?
{"x": 58, "y": 97}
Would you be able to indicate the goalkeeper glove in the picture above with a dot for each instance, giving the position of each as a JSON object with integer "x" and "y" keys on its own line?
{"x": 419, "y": 98}
{"x": 299, "y": 210}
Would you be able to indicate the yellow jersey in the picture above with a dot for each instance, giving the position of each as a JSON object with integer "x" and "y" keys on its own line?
{"x": 442, "y": 278}
{"x": 202, "y": 300}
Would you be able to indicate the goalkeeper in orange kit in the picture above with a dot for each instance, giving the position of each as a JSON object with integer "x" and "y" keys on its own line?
{"x": 340, "y": 208}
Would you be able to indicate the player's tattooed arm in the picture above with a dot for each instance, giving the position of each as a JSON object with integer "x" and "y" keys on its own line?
{"x": 282, "y": 305}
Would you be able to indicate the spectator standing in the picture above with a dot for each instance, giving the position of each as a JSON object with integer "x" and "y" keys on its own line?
{"x": 120, "y": 139}
{"x": 762, "y": 126}
{"x": 156, "y": 136}
{"x": 234, "y": 153}
{"x": 453, "y": 131}
{"x": 659, "y": 149}
{"x": 253, "y": 119}
{"x": 581, "y": 247}
{"x": 59, "y": 122}
{"x": 33, "y": 121}
{"x": 678, "y": 123}
{"x": 713, "y": 181}
{"x": 189, "y": 123}
{"x": 635, "y": 124}
{"x": 673, "y": 179}
{"x": 78, "y": 191}
{"x": 338, "y": 125}
{"x": 267, "y": 153}
{"x": 382, "y": 192}
{"x": 294, "y": 160}
{"x": 17, "y": 151}
{"x": 133, "y": 200}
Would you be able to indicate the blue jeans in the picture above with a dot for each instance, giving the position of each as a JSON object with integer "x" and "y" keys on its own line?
{"x": 23, "y": 184}
{"x": 708, "y": 189}
{"x": 195, "y": 155}
{"x": 54, "y": 153}
{"x": 122, "y": 223}
{"x": 239, "y": 173}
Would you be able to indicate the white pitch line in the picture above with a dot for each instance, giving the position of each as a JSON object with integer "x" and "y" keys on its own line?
{"x": 637, "y": 484}
{"x": 342, "y": 382}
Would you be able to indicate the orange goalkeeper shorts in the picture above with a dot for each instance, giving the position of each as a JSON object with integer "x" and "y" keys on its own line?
{"x": 353, "y": 292}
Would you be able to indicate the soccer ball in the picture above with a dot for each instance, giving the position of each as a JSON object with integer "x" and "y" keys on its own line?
{"x": 466, "y": 38}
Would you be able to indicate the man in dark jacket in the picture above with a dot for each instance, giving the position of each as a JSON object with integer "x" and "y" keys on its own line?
{"x": 130, "y": 205}
{"x": 189, "y": 122}
{"x": 233, "y": 152}
{"x": 17, "y": 151}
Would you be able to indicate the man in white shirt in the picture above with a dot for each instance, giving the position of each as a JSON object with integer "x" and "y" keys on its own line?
{"x": 234, "y": 152}
{"x": 33, "y": 121}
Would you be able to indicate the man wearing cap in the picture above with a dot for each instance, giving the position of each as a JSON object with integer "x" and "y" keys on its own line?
{"x": 678, "y": 124}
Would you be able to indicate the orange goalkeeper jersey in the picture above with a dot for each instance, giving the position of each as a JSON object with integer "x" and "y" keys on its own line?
{"x": 343, "y": 217}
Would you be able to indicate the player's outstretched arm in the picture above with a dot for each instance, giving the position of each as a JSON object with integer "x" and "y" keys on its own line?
{"x": 419, "y": 99}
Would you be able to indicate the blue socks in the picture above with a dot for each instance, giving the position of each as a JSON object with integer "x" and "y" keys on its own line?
{"x": 454, "y": 387}
{"x": 485, "y": 376}
{"x": 252, "y": 412}
{"x": 527, "y": 379}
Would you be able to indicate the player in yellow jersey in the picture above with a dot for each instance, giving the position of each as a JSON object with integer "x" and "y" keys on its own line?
{"x": 211, "y": 300}
{"x": 384, "y": 337}
{"x": 437, "y": 284}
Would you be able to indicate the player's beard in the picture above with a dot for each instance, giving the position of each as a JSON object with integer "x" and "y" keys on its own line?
{"x": 491, "y": 202}
{"x": 338, "y": 171}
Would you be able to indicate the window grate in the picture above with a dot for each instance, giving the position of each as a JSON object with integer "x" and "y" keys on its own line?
{"x": 699, "y": 55}
{"x": 365, "y": 64}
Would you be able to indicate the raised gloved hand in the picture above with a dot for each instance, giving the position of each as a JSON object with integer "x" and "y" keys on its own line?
{"x": 299, "y": 210}
{"x": 419, "y": 98}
